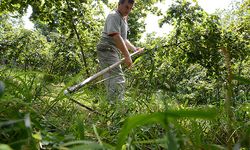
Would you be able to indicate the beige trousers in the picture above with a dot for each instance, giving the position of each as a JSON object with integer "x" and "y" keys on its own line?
{"x": 114, "y": 79}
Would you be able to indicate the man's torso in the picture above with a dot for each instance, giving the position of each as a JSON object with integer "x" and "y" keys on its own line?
{"x": 114, "y": 24}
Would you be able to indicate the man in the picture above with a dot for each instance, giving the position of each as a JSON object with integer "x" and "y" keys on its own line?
{"x": 114, "y": 42}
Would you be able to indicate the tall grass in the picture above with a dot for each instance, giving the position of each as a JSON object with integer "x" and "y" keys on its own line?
{"x": 153, "y": 121}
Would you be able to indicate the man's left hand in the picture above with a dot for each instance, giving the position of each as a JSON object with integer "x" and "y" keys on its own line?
{"x": 140, "y": 49}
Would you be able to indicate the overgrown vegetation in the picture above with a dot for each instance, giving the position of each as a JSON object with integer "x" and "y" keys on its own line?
{"x": 188, "y": 90}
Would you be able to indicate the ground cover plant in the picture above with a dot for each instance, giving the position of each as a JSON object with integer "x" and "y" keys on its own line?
{"x": 188, "y": 90}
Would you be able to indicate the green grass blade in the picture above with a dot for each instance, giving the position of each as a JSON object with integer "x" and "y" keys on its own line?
{"x": 161, "y": 117}
{"x": 5, "y": 147}
{"x": 85, "y": 144}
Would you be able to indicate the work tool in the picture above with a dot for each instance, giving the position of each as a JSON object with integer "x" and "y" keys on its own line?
{"x": 76, "y": 87}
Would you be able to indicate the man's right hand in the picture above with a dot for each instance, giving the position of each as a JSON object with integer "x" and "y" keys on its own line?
{"x": 128, "y": 61}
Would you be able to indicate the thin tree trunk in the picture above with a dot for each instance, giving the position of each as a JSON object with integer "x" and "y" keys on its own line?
{"x": 79, "y": 41}
{"x": 228, "y": 97}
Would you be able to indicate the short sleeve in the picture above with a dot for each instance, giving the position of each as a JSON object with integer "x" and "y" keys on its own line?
{"x": 113, "y": 24}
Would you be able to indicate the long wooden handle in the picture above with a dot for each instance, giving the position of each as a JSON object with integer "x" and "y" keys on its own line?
{"x": 89, "y": 79}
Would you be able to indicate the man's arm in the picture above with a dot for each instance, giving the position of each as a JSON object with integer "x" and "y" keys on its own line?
{"x": 121, "y": 45}
{"x": 130, "y": 45}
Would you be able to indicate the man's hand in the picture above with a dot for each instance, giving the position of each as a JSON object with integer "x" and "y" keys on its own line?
{"x": 140, "y": 49}
{"x": 128, "y": 61}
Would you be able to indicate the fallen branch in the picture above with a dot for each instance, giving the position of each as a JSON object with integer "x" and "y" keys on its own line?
{"x": 86, "y": 107}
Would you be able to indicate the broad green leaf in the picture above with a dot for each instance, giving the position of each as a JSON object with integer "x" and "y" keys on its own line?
{"x": 42, "y": 2}
{"x": 37, "y": 136}
{"x": 162, "y": 118}
{"x": 5, "y": 147}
